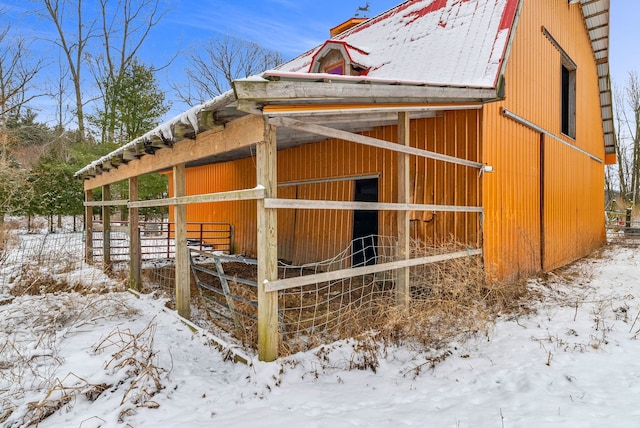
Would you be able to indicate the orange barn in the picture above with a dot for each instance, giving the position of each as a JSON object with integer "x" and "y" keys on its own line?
{"x": 484, "y": 122}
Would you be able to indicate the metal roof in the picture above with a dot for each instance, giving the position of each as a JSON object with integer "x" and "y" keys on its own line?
{"x": 441, "y": 42}
{"x": 596, "y": 18}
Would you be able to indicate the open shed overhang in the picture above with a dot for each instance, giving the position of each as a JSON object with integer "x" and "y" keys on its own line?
{"x": 227, "y": 127}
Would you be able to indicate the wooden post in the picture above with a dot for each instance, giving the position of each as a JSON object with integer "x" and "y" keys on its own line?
{"x": 88, "y": 222}
{"x": 135, "y": 258}
{"x": 267, "y": 247}
{"x": 106, "y": 229}
{"x": 183, "y": 291}
{"x": 403, "y": 289}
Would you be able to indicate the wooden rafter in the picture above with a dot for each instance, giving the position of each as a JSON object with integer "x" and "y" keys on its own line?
{"x": 369, "y": 141}
{"x": 243, "y": 132}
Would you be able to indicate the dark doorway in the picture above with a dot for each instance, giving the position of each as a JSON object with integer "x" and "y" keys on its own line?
{"x": 365, "y": 224}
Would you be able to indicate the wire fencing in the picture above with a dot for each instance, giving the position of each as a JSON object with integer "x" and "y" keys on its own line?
{"x": 43, "y": 263}
{"x": 326, "y": 311}
{"x": 224, "y": 289}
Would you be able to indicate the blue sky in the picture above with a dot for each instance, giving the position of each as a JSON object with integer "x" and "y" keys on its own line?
{"x": 289, "y": 26}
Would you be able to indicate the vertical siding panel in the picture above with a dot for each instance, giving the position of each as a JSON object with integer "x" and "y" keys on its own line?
{"x": 573, "y": 222}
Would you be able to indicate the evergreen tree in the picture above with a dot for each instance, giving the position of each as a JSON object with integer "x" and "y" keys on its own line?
{"x": 133, "y": 104}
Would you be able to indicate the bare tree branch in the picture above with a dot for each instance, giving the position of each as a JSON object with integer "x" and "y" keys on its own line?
{"x": 214, "y": 64}
{"x": 73, "y": 45}
{"x": 125, "y": 25}
{"x": 17, "y": 72}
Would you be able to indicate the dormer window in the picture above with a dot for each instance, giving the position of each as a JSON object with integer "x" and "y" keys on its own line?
{"x": 337, "y": 57}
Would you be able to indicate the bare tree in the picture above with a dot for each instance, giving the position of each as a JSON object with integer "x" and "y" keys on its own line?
{"x": 627, "y": 143}
{"x": 17, "y": 72}
{"x": 633, "y": 126}
{"x": 73, "y": 43}
{"x": 121, "y": 26}
{"x": 124, "y": 26}
{"x": 214, "y": 64}
{"x": 622, "y": 171}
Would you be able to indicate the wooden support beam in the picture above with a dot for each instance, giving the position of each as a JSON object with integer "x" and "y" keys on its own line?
{"x": 403, "y": 288}
{"x": 88, "y": 227}
{"x": 115, "y": 203}
{"x": 254, "y": 90}
{"x": 233, "y": 195}
{"x": 368, "y": 141}
{"x": 135, "y": 256}
{"x": 312, "y": 204}
{"x": 106, "y": 229}
{"x": 335, "y": 275}
{"x": 183, "y": 289}
{"x": 267, "y": 247}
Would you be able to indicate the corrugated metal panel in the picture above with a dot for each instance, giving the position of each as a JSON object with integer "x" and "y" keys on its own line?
{"x": 573, "y": 222}
{"x": 314, "y": 235}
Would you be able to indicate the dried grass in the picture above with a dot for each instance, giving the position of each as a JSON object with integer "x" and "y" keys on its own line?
{"x": 7, "y": 239}
{"x": 63, "y": 392}
{"x": 29, "y": 356}
{"x": 41, "y": 279}
{"x": 134, "y": 354}
{"x": 450, "y": 299}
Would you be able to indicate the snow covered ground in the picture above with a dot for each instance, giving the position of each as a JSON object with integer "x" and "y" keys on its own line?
{"x": 124, "y": 360}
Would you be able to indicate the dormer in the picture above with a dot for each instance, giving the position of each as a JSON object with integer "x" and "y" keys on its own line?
{"x": 338, "y": 57}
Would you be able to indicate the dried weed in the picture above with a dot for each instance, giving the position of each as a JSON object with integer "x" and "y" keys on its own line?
{"x": 63, "y": 392}
{"x": 134, "y": 354}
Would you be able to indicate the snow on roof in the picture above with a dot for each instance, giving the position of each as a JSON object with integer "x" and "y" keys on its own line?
{"x": 165, "y": 130}
{"x": 442, "y": 42}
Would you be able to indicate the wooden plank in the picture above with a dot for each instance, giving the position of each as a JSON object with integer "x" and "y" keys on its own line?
{"x": 88, "y": 226}
{"x": 250, "y": 90}
{"x": 234, "y": 195}
{"x": 369, "y": 141}
{"x": 403, "y": 288}
{"x": 350, "y": 116}
{"x": 135, "y": 251}
{"x": 267, "y": 247}
{"x": 106, "y": 229}
{"x": 116, "y": 203}
{"x": 183, "y": 290}
{"x": 365, "y": 111}
{"x": 285, "y": 284}
{"x": 311, "y": 204}
{"x": 243, "y": 132}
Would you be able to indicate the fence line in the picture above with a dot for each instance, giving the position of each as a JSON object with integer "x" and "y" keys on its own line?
{"x": 621, "y": 226}
{"x": 325, "y": 299}
{"x": 157, "y": 239}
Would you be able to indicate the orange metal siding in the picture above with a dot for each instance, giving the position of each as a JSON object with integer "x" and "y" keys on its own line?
{"x": 314, "y": 235}
{"x": 226, "y": 176}
{"x": 573, "y": 183}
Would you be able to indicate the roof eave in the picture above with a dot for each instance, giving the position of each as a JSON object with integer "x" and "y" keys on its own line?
{"x": 596, "y": 18}
{"x": 312, "y": 90}
{"x": 186, "y": 125}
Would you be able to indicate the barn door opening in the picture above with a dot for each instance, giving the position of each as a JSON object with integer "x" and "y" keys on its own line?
{"x": 365, "y": 224}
